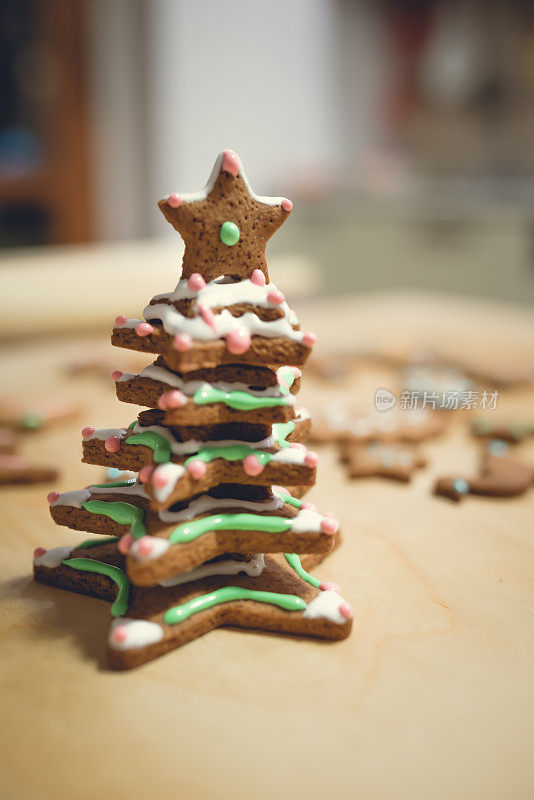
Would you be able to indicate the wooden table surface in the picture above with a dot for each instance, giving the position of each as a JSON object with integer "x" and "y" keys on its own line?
{"x": 431, "y": 696}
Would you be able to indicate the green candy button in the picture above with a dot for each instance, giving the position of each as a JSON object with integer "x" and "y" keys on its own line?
{"x": 31, "y": 421}
{"x": 230, "y": 233}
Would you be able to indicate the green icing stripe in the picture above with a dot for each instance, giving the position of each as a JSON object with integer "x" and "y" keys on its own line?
{"x": 281, "y": 431}
{"x": 97, "y": 542}
{"x": 231, "y": 452}
{"x": 120, "y": 604}
{"x": 289, "y": 602}
{"x": 226, "y": 522}
{"x": 113, "y": 484}
{"x": 291, "y": 501}
{"x": 294, "y": 561}
{"x": 122, "y": 513}
{"x": 158, "y": 443}
{"x": 239, "y": 401}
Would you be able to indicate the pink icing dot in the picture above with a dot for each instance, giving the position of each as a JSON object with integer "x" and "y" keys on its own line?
{"x": 275, "y": 297}
{"x": 125, "y": 543}
{"x": 207, "y": 315}
{"x": 120, "y": 634}
{"x": 88, "y": 431}
{"x": 251, "y": 465}
{"x": 230, "y": 162}
{"x": 174, "y": 200}
{"x": 309, "y": 339}
{"x": 329, "y": 586}
{"x": 112, "y": 444}
{"x": 238, "y": 341}
{"x": 183, "y": 342}
{"x": 38, "y": 552}
{"x": 328, "y": 525}
{"x": 311, "y": 459}
{"x": 286, "y": 204}
{"x": 257, "y": 278}
{"x": 196, "y": 282}
{"x": 309, "y": 507}
{"x": 297, "y": 372}
{"x": 345, "y": 609}
{"x": 159, "y": 479}
{"x": 197, "y": 469}
{"x": 144, "y": 329}
{"x": 172, "y": 399}
{"x": 145, "y": 472}
{"x": 52, "y": 497}
{"x": 116, "y": 374}
{"x": 121, "y": 319}
{"x": 145, "y": 545}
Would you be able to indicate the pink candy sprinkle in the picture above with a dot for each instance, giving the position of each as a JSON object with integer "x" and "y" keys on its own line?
{"x": 230, "y": 162}
{"x": 345, "y": 609}
{"x": 309, "y": 339}
{"x": 328, "y": 525}
{"x": 121, "y": 320}
{"x": 38, "y": 552}
{"x": 120, "y": 634}
{"x": 172, "y": 399}
{"x": 145, "y": 545}
{"x": 196, "y": 282}
{"x": 252, "y": 466}
{"x": 52, "y": 497}
{"x": 145, "y": 473}
{"x": 286, "y": 204}
{"x": 183, "y": 342}
{"x": 275, "y": 297}
{"x": 207, "y": 315}
{"x": 309, "y": 507}
{"x": 311, "y": 459}
{"x": 112, "y": 444}
{"x": 88, "y": 431}
{"x": 238, "y": 341}
{"x": 125, "y": 543}
{"x": 257, "y": 278}
{"x": 329, "y": 586}
{"x": 197, "y": 469}
{"x": 159, "y": 479}
{"x": 116, "y": 374}
{"x": 174, "y": 200}
{"x": 144, "y": 329}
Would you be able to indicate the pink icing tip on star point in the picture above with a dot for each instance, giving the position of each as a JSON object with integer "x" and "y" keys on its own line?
{"x": 125, "y": 543}
{"x": 120, "y": 634}
{"x": 121, "y": 320}
{"x": 144, "y": 329}
{"x": 145, "y": 546}
{"x": 311, "y": 459}
{"x": 251, "y": 465}
{"x": 112, "y": 444}
{"x": 145, "y": 473}
{"x": 230, "y": 163}
{"x": 116, "y": 374}
{"x": 159, "y": 479}
{"x": 329, "y": 586}
{"x": 196, "y": 282}
{"x": 276, "y": 297}
{"x": 286, "y": 204}
{"x": 309, "y": 507}
{"x": 183, "y": 342}
{"x": 197, "y": 469}
{"x": 238, "y": 341}
{"x": 345, "y": 609}
{"x": 174, "y": 200}
{"x": 87, "y": 431}
{"x": 309, "y": 339}
{"x": 297, "y": 372}
{"x": 328, "y": 525}
{"x": 38, "y": 552}
{"x": 52, "y": 497}
{"x": 257, "y": 278}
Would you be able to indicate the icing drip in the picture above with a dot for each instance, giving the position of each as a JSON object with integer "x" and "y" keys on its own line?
{"x": 129, "y": 634}
{"x": 294, "y": 561}
{"x": 254, "y": 567}
{"x": 329, "y": 605}
{"x": 120, "y": 604}
{"x": 53, "y": 558}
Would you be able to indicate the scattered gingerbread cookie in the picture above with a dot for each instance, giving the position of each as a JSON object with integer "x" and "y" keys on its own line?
{"x": 500, "y": 429}
{"x": 339, "y": 424}
{"x": 8, "y": 443}
{"x": 16, "y": 469}
{"x": 37, "y": 414}
{"x": 500, "y": 475}
{"x": 377, "y": 460}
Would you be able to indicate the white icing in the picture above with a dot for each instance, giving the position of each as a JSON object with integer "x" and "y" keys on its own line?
{"x": 173, "y": 473}
{"x": 159, "y": 547}
{"x": 105, "y": 433}
{"x": 254, "y": 567}
{"x": 74, "y": 498}
{"x": 291, "y": 455}
{"x": 174, "y": 323}
{"x": 307, "y": 521}
{"x": 205, "y": 503}
{"x": 139, "y": 633}
{"x": 79, "y": 496}
{"x": 194, "y": 445}
{"x": 53, "y": 558}
{"x": 326, "y": 606}
{"x": 225, "y": 292}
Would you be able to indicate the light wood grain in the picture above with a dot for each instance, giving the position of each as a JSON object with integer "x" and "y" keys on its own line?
{"x": 431, "y": 696}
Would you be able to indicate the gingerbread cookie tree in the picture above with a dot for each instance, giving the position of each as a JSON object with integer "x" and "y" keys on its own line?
{"x": 220, "y": 438}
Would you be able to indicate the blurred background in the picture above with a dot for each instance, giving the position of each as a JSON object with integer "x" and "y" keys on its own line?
{"x": 401, "y": 130}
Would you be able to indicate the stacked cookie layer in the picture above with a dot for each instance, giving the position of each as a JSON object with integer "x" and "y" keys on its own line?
{"x": 206, "y": 535}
